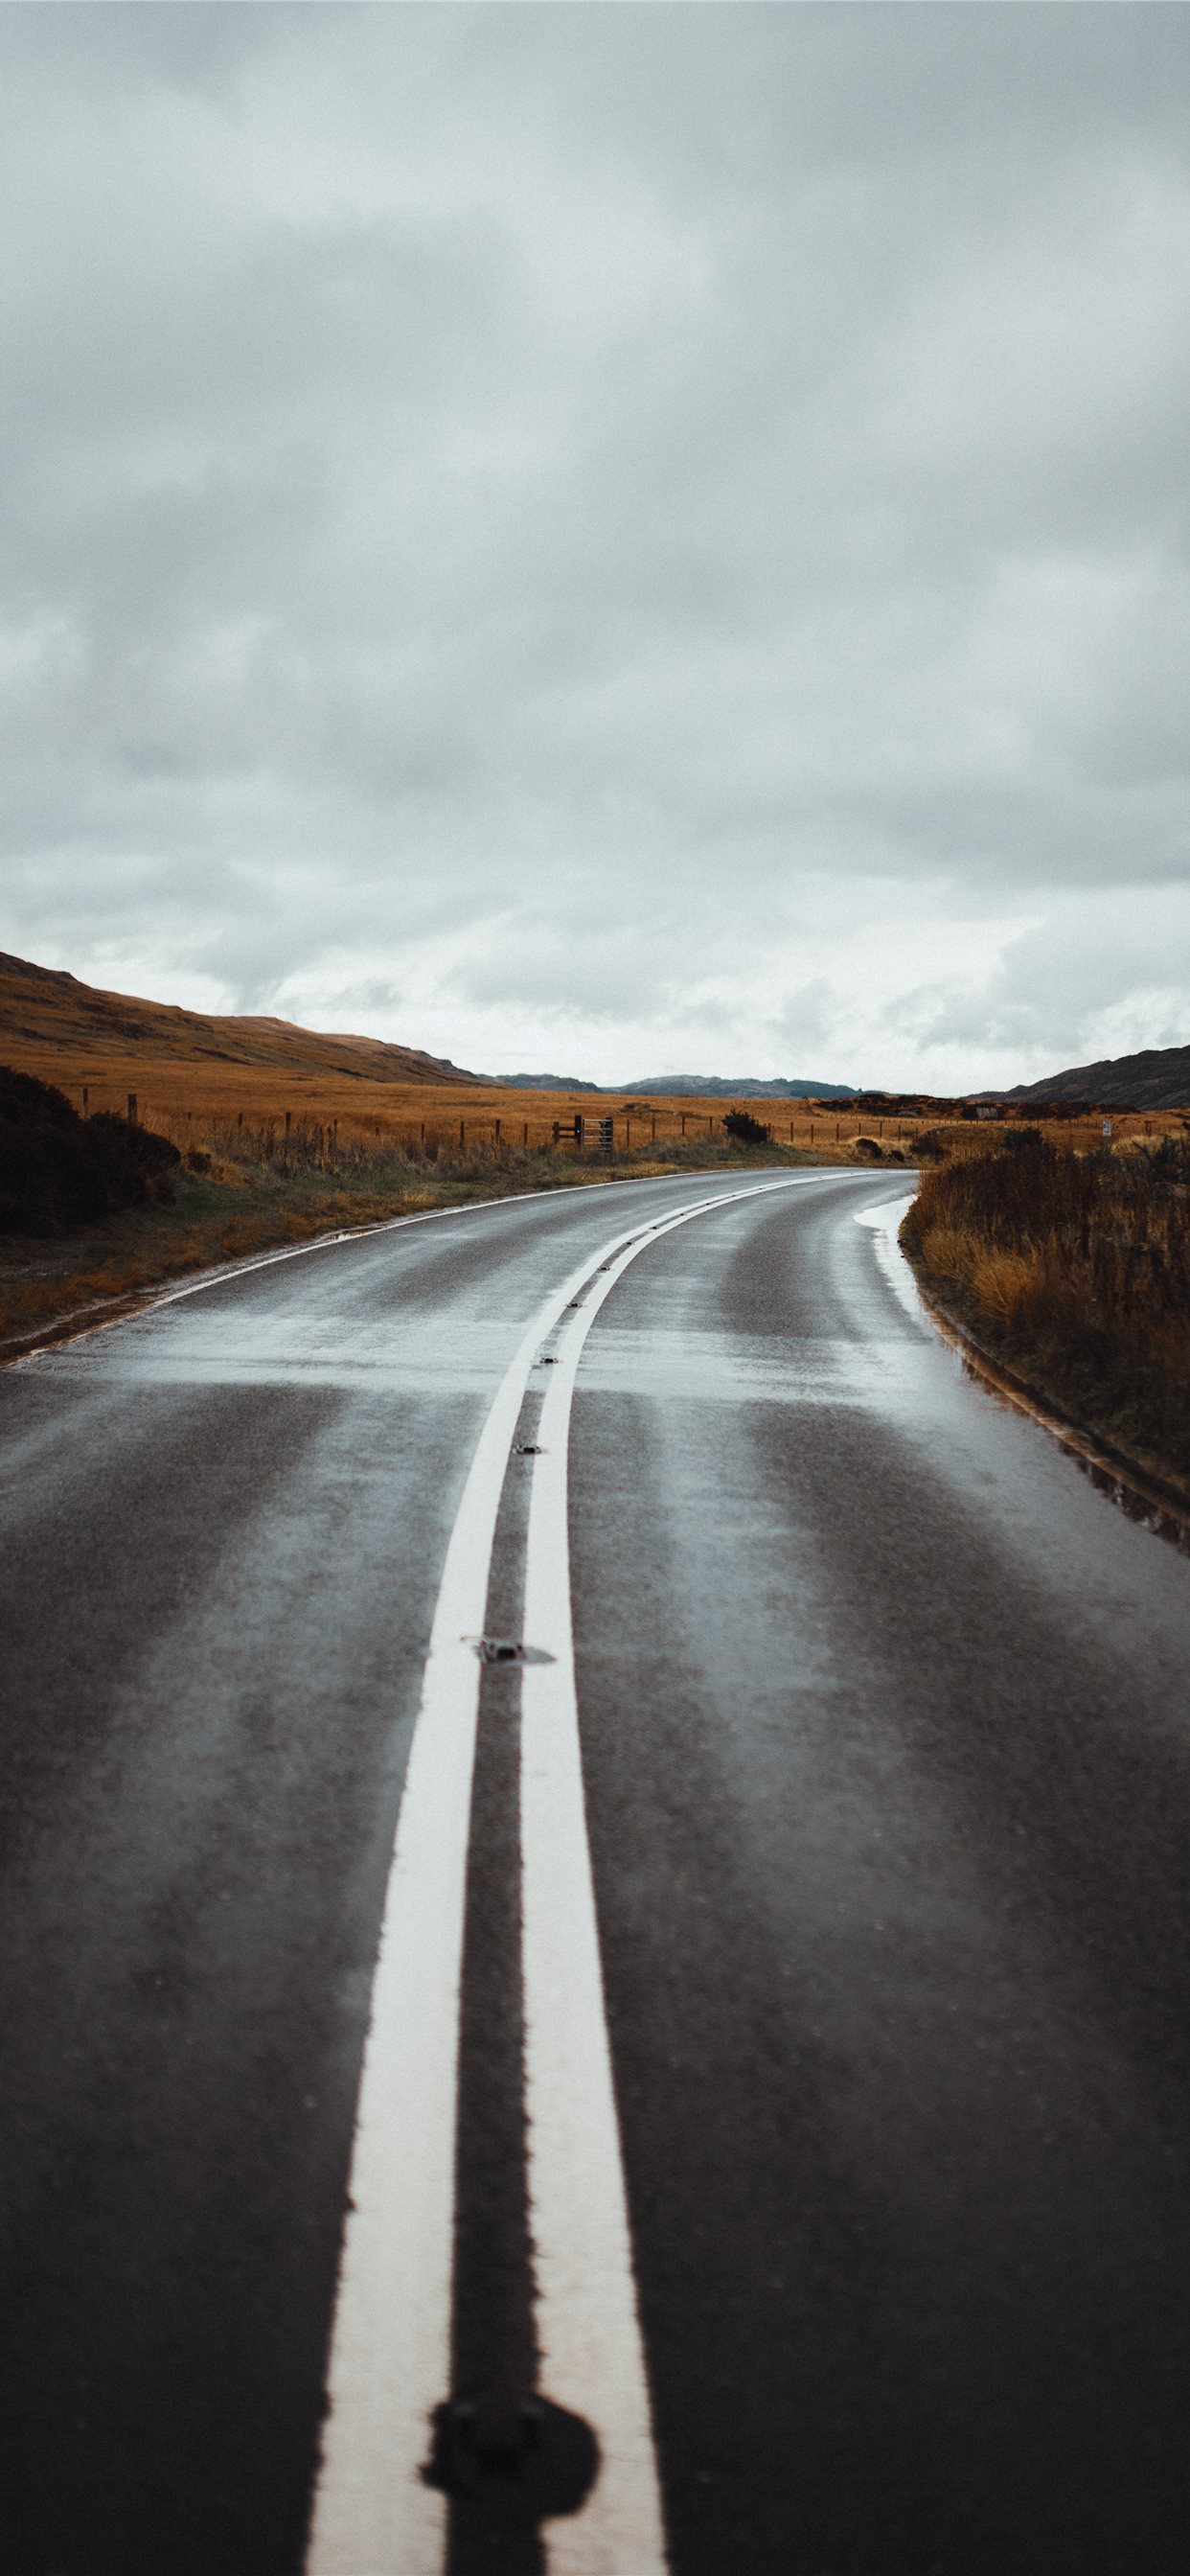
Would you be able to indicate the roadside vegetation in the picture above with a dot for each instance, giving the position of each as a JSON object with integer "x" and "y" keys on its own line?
{"x": 744, "y": 1129}
{"x": 1074, "y": 1270}
{"x": 58, "y": 1170}
{"x": 96, "y": 1210}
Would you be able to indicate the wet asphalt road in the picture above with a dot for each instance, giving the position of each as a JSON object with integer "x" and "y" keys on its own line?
{"x": 886, "y": 1742}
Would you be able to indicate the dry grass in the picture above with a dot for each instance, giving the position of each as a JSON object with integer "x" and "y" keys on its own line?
{"x": 201, "y": 1103}
{"x": 289, "y": 1134}
{"x": 198, "y": 1102}
{"x": 1076, "y": 1269}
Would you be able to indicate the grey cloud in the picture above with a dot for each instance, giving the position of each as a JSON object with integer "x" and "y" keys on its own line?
{"x": 1091, "y": 962}
{"x": 472, "y": 472}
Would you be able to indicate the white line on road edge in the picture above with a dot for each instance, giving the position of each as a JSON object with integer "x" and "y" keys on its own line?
{"x": 225, "y": 1273}
{"x": 390, "y": 2351}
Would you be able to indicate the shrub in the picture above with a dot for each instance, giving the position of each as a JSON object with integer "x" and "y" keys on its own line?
{"x": 744, "y": 1129}
{"x": 58, "y": 1170}
{"x": 1078, "y": 1267}
{"x": 25, "y": 1102}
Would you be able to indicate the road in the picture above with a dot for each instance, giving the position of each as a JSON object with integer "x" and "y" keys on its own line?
{"x": 779, "y": 2056}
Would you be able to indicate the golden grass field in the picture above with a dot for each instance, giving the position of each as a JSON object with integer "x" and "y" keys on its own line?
{"x": 197, "y": 1076}
{"x": 287, "y": 1132}
{"x": 185, "y": 1100}
{"x": 197, "y": 1102}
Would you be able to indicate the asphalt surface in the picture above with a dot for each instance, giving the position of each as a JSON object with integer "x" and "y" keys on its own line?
{"x": 886, "y": 1746}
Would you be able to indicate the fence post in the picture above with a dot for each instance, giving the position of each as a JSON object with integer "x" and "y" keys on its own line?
{"x": 239, "y": 1120}
{"x": 288, "y": 1116}
{"x": 462, "y": 1131}
{"x": 86, "y": 1098}
{"x": 497, "y": 1131}
{"x": 526, "y": 1131}
{"x": 132, "y": 1108}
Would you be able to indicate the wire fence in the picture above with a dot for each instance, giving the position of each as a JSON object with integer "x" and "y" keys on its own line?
{"x": 302, "y": 1138}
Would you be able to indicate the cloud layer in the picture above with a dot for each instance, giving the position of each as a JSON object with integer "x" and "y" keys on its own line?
{"x": 615, "y": 535}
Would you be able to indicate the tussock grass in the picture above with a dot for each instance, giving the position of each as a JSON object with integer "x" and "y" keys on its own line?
{"x": 1075, "y": 1269}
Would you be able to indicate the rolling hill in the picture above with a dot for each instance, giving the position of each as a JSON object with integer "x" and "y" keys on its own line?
{"x": 45, "y": 1012}
{"x": 44, "y": 1009}
{"x": 1157, "y": 1078}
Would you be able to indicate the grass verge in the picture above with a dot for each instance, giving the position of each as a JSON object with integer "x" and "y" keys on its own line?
{"x": 1073, "y": 1273}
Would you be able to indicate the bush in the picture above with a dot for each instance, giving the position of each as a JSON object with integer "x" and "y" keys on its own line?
{"x": 1077, "y": 1266}
{"x": 743, "y": 1129}
{"x": 26, "y": 1102}
{"x": 58, "y": 1170}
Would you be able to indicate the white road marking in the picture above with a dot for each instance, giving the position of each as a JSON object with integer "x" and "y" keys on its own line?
{"x": 390, "y": 2351}
{"x": 390, "y": 2360}
{"x": 592, "y": 2355}
{"x": 238, "y": 1269}
{"x": 224, "y": 1271}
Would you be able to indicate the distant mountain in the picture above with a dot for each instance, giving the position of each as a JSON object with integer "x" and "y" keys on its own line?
{"x": 679, "y": 1086}
{"x": 44, "y": 1010}
{"x": 715, "y": 1086}
{"x": 542, "y": 1082}
{"x": 1157, "y": 1078}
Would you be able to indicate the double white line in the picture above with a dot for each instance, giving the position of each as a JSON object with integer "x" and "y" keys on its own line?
{"x": 390, "y": 2354}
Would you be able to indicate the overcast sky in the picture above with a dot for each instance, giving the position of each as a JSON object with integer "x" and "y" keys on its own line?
{"x": 619, "y": 538}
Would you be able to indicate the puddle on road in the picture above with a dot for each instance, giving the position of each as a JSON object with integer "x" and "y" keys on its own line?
{"x": 884, "y": 1222}
{"x": 296, "y": 1351}
{"x": 744, "y": 1368}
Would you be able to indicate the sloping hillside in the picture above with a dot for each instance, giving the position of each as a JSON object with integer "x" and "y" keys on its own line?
{"x": 42, "y": 1009}
{"x": 1157, "y": 1078}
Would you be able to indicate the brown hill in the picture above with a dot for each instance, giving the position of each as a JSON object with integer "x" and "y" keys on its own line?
{"x": 1157, "y": 1078}
{"x": 45, "y": 1011}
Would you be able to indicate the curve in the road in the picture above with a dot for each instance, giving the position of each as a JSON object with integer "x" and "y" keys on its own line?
{"x": 390, "y": 2353}
{"x": 884, "y": 1795}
